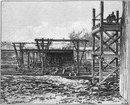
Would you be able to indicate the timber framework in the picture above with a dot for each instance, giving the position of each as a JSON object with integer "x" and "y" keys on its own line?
{"x": 43, "y": 56}
{"x": 106, "y": 55}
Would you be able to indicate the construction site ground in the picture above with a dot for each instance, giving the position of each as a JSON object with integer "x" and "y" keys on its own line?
{"x": 48, "y": 89}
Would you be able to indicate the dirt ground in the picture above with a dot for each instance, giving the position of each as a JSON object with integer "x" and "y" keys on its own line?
{"x": 56, "y": 90}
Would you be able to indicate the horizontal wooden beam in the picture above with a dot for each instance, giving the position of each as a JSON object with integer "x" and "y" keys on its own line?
{"x": 23, "y": 43}
{"x": 96, "y": 54}
{"x": 110, "y": 56}
{"x": 95, "y": 31}
{"x": 60, "y": 40}
{"x": 112, "y": 27}
{"x": 36, "y": 50}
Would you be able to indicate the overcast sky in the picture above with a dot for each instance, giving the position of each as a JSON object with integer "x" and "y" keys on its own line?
{"x": 25, "y": 21}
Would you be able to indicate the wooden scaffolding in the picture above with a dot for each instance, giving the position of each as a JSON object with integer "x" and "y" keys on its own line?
{"x": 37, "y": 56}
{"x": 106, "y": 54}
{"x": 43, "y": 48}
{"x": 26, "y": 57}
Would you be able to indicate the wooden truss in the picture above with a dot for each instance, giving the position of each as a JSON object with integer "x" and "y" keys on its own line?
{"x": 106, "y": 54}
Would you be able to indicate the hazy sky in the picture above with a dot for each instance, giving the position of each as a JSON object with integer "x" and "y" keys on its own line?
{"x": 25, "y": 21}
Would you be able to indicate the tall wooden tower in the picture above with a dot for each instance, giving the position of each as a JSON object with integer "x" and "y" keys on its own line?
{"x": 105, "y": 54}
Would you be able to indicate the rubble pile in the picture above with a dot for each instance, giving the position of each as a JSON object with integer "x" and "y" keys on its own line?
{"x": 55, "y": 89}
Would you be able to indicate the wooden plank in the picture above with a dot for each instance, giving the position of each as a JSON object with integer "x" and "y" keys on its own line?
{"x": 60, "y": 40}
{"x": 110, "y": 38}
{"x": 109, "y": 63}
{"x": 113, "y": 37}
{"x": 110, "y": 56}
{"x": 98, "y": 15}
{"x": 95, "y": 31}
{"x": 17, "y": 56}
{"x": 104, "y": 42}
{"x": 108, "y": 46}
{"x": 23, "y": 43}
{"x": 108, "y": 75}
{"x": 112, "y": 27}
{"x": 83, "y": 53}
{"x": 97, "y": 49}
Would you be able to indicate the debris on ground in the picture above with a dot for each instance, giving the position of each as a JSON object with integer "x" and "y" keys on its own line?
{"x": 56, "y": 90}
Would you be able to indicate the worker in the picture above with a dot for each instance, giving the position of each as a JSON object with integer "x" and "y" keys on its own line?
{"x": 111, "y": 18}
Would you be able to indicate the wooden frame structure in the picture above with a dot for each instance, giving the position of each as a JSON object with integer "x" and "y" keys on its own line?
{"x": 43, "y": 48}
{"x": 108, "y": 35}
{"x": 27, "y": 58}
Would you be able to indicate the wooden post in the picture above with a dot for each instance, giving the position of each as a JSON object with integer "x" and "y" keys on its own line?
{"x": 33, "y": 56}
{"x": 36, "y": 56}
{"x": 21, "y": 54}
{"x": 101, "y": 42}
{"x": 39, "y": 51}
{"x": 117, "y": 21}
{"x": 73, "y": 57}
{"x": 77, "y": 56}
{"x": 43, "y": 63}
{"x": 82, "y": 55}
{"x": 28, "y": 57}
{"x": 28, "y": 60}
{"x": 93, "y": 46}
{"x": 17, "y": 56}
{"x": 94, "y": 12}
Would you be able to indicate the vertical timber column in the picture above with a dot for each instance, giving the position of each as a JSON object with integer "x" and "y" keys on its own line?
{"x": 93, "y": 63}
{"x": 36, "y": 56}
{"x": 78, "y": 56}
{"x": 43, "y": 63}
{"x": 101, "y": 42}
{"x": 28, "y": 60}
{"x": 39, "y": 51}
{"x": 17, "y": 56}
{"x": 33, "y": 56}
{"x": 117, "y": 22}
{"x": 21, "y": 54}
